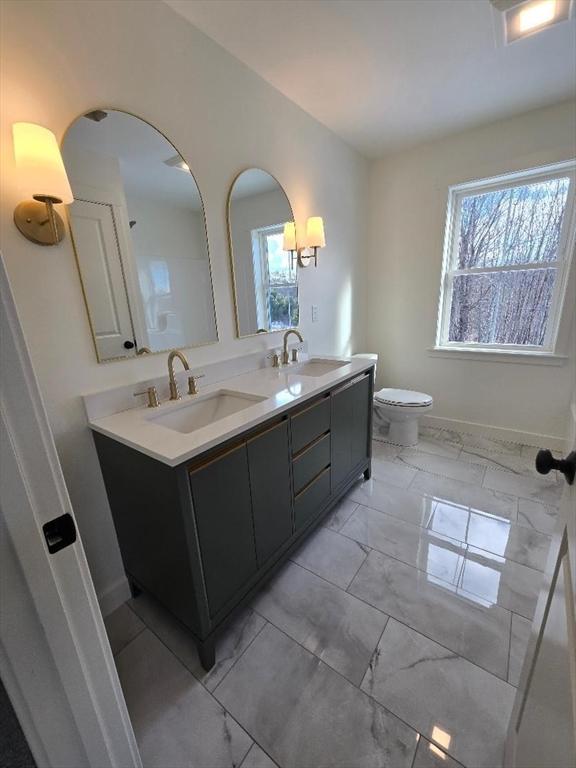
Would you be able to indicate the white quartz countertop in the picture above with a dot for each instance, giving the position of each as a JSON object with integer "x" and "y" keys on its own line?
{"x": 281, "y": 388}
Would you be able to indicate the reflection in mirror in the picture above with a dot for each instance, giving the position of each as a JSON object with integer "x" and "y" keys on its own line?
{"x": 137, "y": 221}
{"x": 265, "y": 283}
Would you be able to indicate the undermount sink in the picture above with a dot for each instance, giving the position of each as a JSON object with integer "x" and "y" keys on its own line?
{"x": 314, "y": 367}
{"x": 205, "y": 410}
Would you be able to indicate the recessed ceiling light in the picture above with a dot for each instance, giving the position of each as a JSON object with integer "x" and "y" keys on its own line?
{"x": 527, "y": 17}
{"x": 177, "y": 162}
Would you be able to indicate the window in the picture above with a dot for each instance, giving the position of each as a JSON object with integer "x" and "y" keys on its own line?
{"x": 507, "y": 248}
{"x": 275, "y": 280}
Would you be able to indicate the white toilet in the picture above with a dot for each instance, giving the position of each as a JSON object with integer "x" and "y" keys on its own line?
{"x": 398, "y": 410}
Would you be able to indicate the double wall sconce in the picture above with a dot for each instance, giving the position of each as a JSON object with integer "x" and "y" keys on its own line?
{"x": 314, "y": 238}
{"x": 41, "y": 177}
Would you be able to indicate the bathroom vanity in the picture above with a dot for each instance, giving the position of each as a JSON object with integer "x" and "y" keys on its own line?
{"x": 211, "y": 494}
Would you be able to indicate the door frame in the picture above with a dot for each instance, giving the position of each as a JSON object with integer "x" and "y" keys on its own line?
{"x": 55, "y": 659}
{"x": 562, "y": 550}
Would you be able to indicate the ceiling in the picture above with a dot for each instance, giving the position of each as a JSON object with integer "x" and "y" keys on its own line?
{"x": 254, "y": 181}
{"x": 386, "y": 74}
{"x": 141, "y": 151}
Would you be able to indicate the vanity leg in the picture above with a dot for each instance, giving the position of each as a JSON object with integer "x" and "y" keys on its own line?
{"x": 207, "y": 653}
{"x": 134, "y": 589}
{"x": 368, "y": 472}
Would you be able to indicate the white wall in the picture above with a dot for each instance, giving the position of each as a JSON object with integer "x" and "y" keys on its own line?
{"x": 61, "y": 59}
{"x": 176, "y": 236}
{"x": 408, "y": 194}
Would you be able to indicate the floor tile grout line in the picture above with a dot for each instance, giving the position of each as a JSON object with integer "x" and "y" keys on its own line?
{"x": 459, "y": 505}
{"x": 178, "y": 658}
{"x": 243, "y": 652}
{"x": 480, "y": 484}
{"x": 331, "y": 583}
{"x": 126, "y": 603}
{"x": 388, "y": 615}
{"x": 434, "y": 640}
{"x": 464, "y": 545}
{"x": 373, "y": 652}
{"x": 123, "y": 648}
{"x": 369, "y": 549}
{"x": 416, "y": 750}
{"x": 200, "y": 682}
{"x": 361, "y": 690}
{"x": 461, "y": 446}
{"x": 193, "y": 676}
{"x": 329, "y": 515}
{"x": 340, "y": 674}
{"x": 321, "y": 660}
{"x": 436, "y": 456}
{"x": 351, "y": 594}
{"x": 245, "y": 731}
{"x": 258, "y": 745}
{"x": 421, "y": 570}
{"x": 436, "y": 474}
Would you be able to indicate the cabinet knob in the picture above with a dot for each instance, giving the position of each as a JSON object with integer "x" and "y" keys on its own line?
{"x": 128, "y": 344}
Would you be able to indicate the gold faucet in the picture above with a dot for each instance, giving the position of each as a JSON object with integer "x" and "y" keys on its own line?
{"x": 174, "y": 391}
{"x": 285, "y": 358}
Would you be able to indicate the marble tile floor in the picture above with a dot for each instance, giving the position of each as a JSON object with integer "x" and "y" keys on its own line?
{"x": 394, "y": 638}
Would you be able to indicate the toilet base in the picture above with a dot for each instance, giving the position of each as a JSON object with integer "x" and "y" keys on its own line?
{"x": 404, "y": 433}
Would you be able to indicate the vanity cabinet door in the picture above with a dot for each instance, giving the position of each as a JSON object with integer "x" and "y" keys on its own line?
{"x": 269, "y": 462}
{"x": 350, "y": 427}
{"x": 223, "y": 510}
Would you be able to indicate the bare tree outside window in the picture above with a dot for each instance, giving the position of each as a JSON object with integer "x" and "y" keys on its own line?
{"x": 505, "y": 263}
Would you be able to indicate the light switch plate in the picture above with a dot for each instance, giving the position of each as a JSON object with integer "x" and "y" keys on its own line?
{"x": 314, "y": 313}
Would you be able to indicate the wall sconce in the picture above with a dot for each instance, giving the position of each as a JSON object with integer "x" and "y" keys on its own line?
{"x": 42, "y": 177}
{"x": 315, "y": 239}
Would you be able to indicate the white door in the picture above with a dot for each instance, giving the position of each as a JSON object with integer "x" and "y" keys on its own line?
{"x": 98, "y": 252}
{"x": 55, "y": 660}
{"x": 542, "y": 731}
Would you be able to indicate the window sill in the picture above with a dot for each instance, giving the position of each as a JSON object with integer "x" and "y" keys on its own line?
{"x": 499, "y": 356}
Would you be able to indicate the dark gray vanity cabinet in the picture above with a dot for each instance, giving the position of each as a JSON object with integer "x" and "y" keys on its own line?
{"x": 202, "y": 537}
{"x": 351, "y": 426}
{"x": 269, "y": 468}
{"x": 222, "y": 504}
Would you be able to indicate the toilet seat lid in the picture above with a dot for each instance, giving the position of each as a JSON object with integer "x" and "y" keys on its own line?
{"x": 402, "y": 397}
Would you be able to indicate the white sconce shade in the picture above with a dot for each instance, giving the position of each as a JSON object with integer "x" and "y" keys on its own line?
{"x": 41, "y": 172}
{"x": 289, "y": 242}
{"x": 315, "y": 232}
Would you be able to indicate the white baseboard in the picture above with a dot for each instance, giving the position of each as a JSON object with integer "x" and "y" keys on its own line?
{"x": 500, "y": 433}
{"x": 114, "y": 596}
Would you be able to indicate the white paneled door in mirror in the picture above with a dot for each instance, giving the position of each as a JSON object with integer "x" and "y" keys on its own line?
{"x": 139, "y": 233}
{"x": 264, "y": 277}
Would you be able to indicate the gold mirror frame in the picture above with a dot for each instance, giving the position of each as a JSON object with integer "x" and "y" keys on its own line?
{"x": 231, "y": 251}
{"x": 143, "y": 350}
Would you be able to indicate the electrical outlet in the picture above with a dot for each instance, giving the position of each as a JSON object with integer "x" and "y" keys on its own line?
{"x": 314, "y": 313}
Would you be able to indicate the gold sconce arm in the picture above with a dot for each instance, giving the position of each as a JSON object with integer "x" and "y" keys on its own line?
{"x": 303, "y": 255}
{"x": 40, "y": 166}
{"x": 38, "y": 221}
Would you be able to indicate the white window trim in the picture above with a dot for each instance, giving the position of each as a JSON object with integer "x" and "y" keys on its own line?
{"x": 545, "y": 354}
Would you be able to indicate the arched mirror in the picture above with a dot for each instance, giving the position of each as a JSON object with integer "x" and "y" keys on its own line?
{"x": 139, "y": 233}
{"x": 265, "y": 280}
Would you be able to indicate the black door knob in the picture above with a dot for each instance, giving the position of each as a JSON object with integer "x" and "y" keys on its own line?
{"x": 128, "y": 345}
{"x": 545, "y": 462}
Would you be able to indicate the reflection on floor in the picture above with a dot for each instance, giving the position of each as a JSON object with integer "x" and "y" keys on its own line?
{"x": 395, "y": 636}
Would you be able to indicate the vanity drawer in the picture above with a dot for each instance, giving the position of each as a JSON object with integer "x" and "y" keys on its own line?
{"x": 310, "y": 423}
{"x": 310, "y": 462}
{"x": 308, "y": 502}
